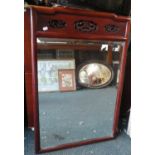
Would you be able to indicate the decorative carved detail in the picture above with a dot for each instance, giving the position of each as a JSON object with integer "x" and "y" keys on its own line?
{"x": 55, "y": 23}
{"x": 85, "y": 26}
{"x": 111, "y": 28}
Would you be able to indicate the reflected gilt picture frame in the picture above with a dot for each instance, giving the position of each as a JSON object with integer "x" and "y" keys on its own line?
{"x": 67, "y": 80}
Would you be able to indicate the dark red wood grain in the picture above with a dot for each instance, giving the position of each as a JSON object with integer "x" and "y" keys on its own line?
{"x": 28, "y": 68}
{"x": 76, "y": 144}
{"x": 121, "y": 81}
{"x": 44, "y": 15}
{"x": 34, "y": 80}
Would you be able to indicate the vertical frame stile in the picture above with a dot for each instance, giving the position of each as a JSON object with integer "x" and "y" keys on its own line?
{"x": 121, "y": 80}
{"x": 34, "y": 79}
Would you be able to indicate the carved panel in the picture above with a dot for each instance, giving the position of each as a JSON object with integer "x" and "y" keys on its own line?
{"x": 55, "y": 23}
{"x": 85, "y": 26}
{"x": 111, "y": 28}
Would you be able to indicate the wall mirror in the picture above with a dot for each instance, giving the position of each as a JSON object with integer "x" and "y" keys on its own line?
{"x": 77, "y": 79}
{"x": 77, "y": 89}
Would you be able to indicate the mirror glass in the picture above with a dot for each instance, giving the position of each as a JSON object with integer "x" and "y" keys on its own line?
{"x": 77, "y": 89}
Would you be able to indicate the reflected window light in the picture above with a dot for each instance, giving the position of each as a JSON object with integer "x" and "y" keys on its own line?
{"x": 104, "y": 47}
{"x": 38, "y": 40}
{"x": 116, "y": 48}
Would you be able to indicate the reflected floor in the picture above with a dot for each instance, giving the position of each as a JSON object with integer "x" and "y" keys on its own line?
{"x": 67, "y": 117}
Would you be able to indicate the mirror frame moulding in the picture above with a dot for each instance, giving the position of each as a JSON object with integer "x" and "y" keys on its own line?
{"x": 34, "y": 10}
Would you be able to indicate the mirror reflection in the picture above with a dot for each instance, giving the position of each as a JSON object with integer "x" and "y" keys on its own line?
{"x": 95, "y": 75}
{"x": 77, "y": 89}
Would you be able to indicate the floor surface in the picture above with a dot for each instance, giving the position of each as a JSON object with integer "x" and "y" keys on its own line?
{"x": 67, "y": 117}
{"x": 119, "y": 146}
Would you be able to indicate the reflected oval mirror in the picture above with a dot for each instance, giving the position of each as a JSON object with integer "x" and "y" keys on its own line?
{"x": 95, "y": 74}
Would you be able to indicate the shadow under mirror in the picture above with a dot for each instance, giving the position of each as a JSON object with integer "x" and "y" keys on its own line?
{"x": 77, "y": 89}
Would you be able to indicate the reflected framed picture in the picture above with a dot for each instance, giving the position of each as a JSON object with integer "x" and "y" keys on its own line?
{"x": 66, "y": 79}
{"x": 48, "y": 73}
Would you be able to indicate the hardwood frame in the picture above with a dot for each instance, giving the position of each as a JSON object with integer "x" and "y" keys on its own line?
{"x": 84, "y": 14}
{"x": 28, "y": 69}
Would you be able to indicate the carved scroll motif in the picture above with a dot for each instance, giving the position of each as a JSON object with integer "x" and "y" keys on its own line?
{"x": 85, "y": 26}
{"x": 111, "y": 28}
{"x": 55, "y": 23}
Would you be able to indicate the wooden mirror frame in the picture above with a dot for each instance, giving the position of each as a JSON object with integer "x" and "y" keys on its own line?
{"x": 54, "y": 22}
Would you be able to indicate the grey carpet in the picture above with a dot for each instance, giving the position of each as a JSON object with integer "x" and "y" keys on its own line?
{"x": 74, "y": 116}
{"x": 119, "y": 146}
